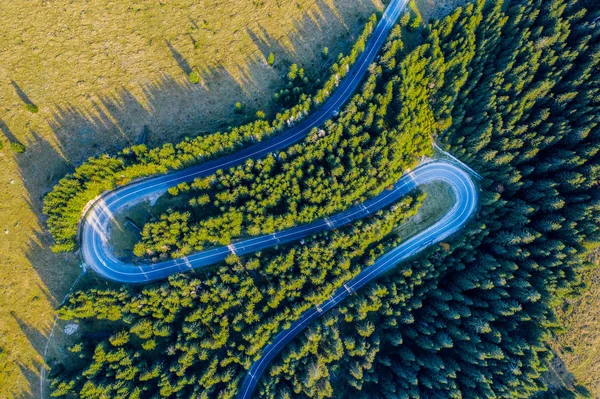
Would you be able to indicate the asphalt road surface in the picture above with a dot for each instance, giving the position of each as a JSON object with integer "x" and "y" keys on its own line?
{"x": 98, "y": 255}
{"x": 466, "y": 198}
{"x": 95, "y": 250}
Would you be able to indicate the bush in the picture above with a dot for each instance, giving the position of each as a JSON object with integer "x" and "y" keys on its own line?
{"x": 260, "y": 114}
{"x": 415, "y": 23}
{"x": 64, "y": 203}
{"x": 271, "y": 59}
{"x": 31, "y": 108}
{"x": 194, "y": 77}
{"x": 239, "y": 108}
{"x": 17, "y": 147}
{"x": 405, "y": 19}
{"x": 325, "y": 52}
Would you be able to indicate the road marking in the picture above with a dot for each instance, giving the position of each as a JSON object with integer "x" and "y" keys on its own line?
{"x": 231, "y": 248}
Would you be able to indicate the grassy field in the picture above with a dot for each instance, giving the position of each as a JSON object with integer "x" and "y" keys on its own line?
{"x": 438, "y": 201}
{"x": 81, "y": 78}
{"x": 577, "y": 350}
{"x": 98, "y": 72}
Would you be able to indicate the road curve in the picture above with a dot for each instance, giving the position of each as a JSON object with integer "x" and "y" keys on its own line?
{"x": 466, "y": 198}
{"x": 103, "y": 262}
{"x": 98, "y": 256}
{"x": 96, "y": 252}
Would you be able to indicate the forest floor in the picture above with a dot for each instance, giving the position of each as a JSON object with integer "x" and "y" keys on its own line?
{"x": 100, "y": 73}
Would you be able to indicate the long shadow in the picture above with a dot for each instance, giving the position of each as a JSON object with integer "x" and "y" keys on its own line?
{"x": 32, "y": 381}
{"x": 166, "y": 108}
{"x": 37, "y": 339}
{"x": 324, "y": 17}
{"x": 8, "y": 133}
{"x": 35, "y": 336}
{"x": 183, "y": 64}
{"x": 21, "y": 93}
{"x": 561, "y": 382}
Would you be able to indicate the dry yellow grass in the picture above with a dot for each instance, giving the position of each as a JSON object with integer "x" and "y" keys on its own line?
{"x": 578, "y": 348}
{"x": 99, "y": 71}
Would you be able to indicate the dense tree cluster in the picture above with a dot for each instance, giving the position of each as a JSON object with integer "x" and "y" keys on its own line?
{"x": 64, "y": 204}
{"x": 510, "y": 88}
{"x": 195, "y": 337}
{"x": 383, "y": 131}
{"x": 298, "y": 84}
{"x": 522, "y": 98}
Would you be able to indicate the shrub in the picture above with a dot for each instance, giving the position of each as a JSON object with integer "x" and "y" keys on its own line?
{"x": 31, "y": 108}
{"x": 415, "y": 23}
{"x": 194, "y": 77}
{"x": 239, "y": 108}
{"x": 260, "y": 114}
{"x": 271, "y": 59}
{"x": 325, "y": 52}
{"x": 405, "y": 19}
{"x": 17, "y": 147}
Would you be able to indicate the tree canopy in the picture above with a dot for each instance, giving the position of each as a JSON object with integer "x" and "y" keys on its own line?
{"x": 511, "y": 89}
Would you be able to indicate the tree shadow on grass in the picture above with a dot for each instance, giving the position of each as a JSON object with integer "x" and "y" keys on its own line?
{"x": 30, "y": 370}
{"x": 561, "y": 382}
{"x": 183, "y": 64}
{"x": 324, "y": 17}
{"x": 22, "y": 95}
{"x": 35, "y": 336}
{"x": 165, "y": 108}
{"x": 33, "y": 381}
{"x": 299, "y": 46}
{"x": 8, "y": 134}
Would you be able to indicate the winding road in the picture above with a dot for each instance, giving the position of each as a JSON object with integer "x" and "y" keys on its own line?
{"x": 465, "y": 193}
{"x": 98, "y": 256}
{"x": 96, "y": 252}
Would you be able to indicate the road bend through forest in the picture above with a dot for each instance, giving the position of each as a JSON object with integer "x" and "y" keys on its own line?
{"x": 465, "y": 194}
{"x": 98, "y": 256}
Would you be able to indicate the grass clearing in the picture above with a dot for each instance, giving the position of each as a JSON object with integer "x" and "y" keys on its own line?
{"x": 438, "y": 201}
{"x": 577, "y": 349}
{"x": 125, "y": 227}
{"x": 98, "y": 73}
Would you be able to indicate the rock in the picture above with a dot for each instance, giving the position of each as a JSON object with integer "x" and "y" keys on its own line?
{"x": 71, "y": 328}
